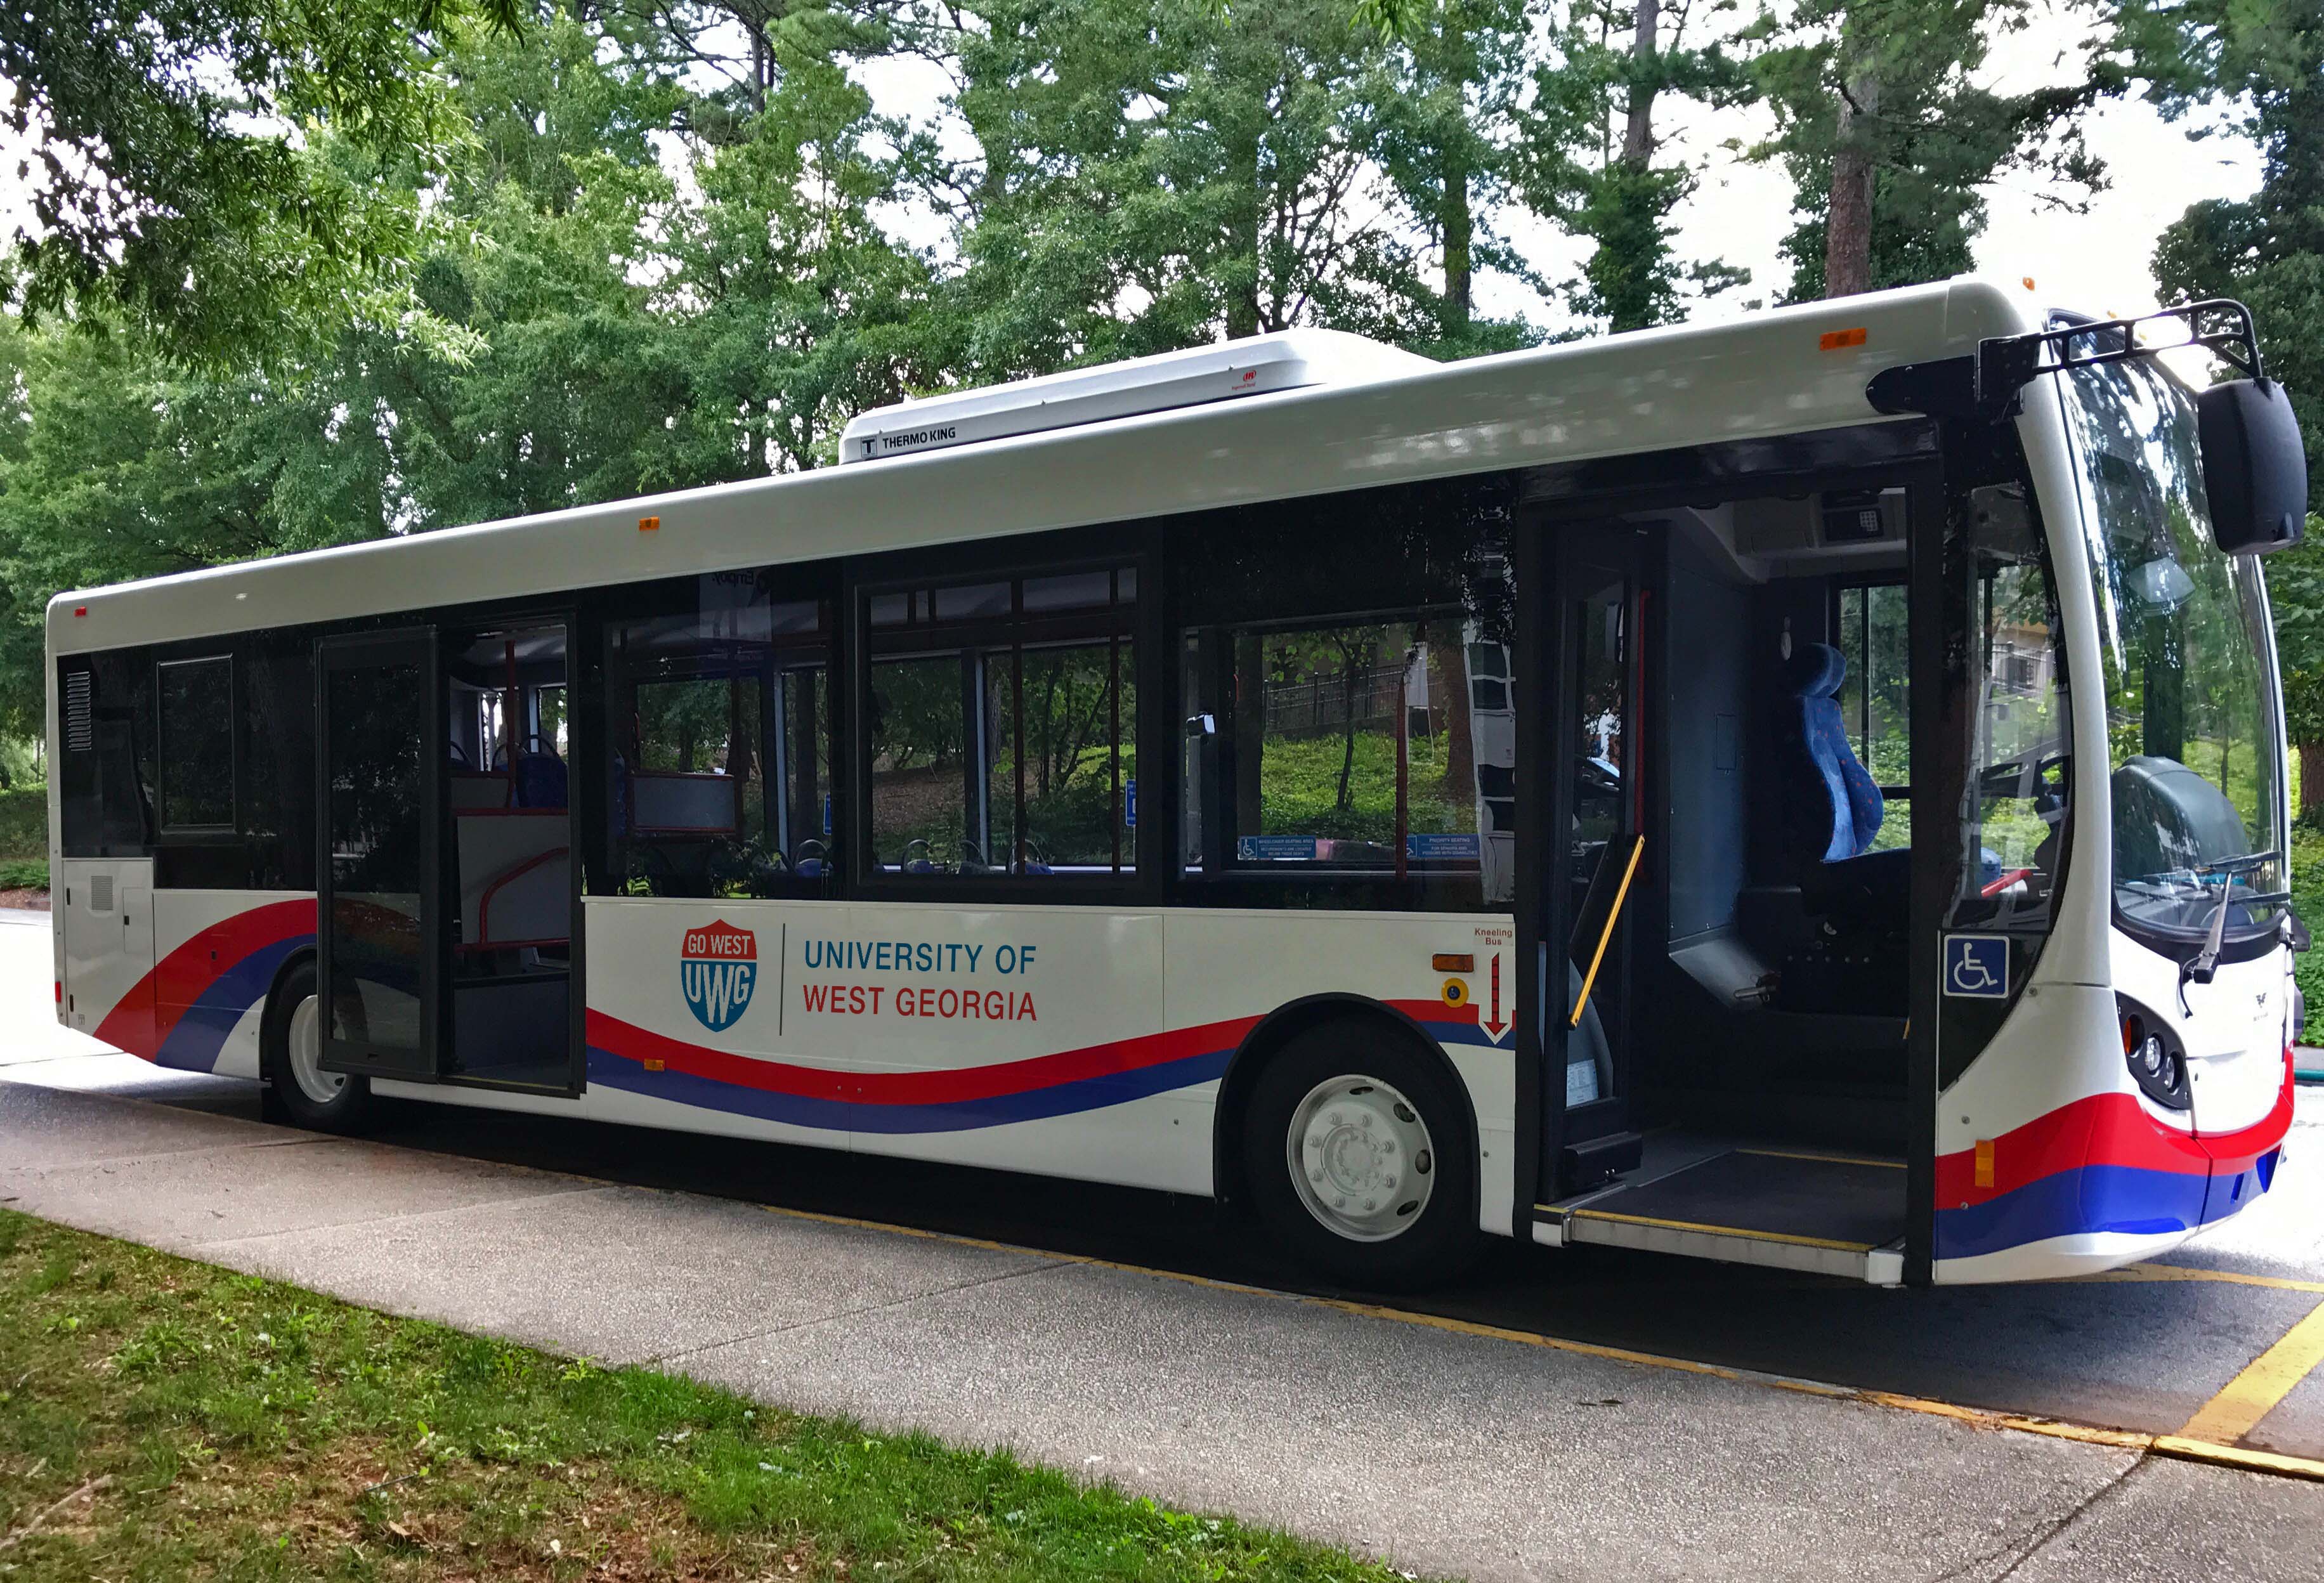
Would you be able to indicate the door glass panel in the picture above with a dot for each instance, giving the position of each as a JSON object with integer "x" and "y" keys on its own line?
{"x": 509, "y": 926}
{"x": 1604, "y": 767}
{"x": 376, "y": 722}
{"x": 1875, "y": 705}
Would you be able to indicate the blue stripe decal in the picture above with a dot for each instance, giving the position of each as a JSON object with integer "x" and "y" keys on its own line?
{"x": 848, "y": 1116}
{"x": 200, "y": 1034}
{"x": 2091, "y": 1199}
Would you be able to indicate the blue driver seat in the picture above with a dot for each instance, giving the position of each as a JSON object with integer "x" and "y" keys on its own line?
{"x": 1844, "y": 806}
{"x": 1833, "y": 810}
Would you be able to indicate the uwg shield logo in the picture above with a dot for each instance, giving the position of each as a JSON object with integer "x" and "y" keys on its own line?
{"x": 717, "y": 968}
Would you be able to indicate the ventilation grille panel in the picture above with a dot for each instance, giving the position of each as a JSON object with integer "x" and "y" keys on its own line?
{"x": 100, "y": 893}
{"x": 80, "y": 730}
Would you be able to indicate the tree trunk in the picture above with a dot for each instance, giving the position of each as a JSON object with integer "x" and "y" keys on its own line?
{"x": 1448, "y": 698}
{"x": 1242, "y": 242}
{"x": 1349, "y": 680}
{"x": 1250, "y": 732}
{"x": 1456, "y": 218}
{"x": 1459, "y": 227}
{"x": 2311, "y": 783}
{"x": 1638, "y": 134}
{"x": 1847, "y": 219}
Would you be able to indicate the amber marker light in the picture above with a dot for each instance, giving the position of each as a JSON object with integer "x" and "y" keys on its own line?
{"x": 1841, "y": 340}
{"x": 648, "y": 524}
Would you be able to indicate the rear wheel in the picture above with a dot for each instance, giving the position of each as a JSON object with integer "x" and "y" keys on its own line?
{"x": 1355, "y": 1152}
{"x": 290, "y": 1043}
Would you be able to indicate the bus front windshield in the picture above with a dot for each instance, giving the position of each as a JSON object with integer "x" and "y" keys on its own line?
{"x": 2190, "y": 668}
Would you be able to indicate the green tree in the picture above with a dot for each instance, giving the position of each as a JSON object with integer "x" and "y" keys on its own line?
{"x": 547, "y": 259}
{"x": 2267, "y": 251}
{"x": 181, "y": 183}
{"x": 794, "y": 307}
{"x": 1889, "y": 138}
{"x": 1151, "y": 176}
{"x": 1451, "y": 139}
{"x": 118, "y": 464}
{"x": 1596, "y": 154}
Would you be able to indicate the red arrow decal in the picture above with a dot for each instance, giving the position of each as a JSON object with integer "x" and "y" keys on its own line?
{"x": 1494, "y": 1025}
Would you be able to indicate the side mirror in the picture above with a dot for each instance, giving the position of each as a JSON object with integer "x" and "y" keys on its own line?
{"x": 1201, "y": 725}
{"x": 2255, "y": 468}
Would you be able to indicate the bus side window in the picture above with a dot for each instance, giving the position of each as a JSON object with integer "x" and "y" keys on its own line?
{"x": 277, "y": 779}
{"x": 1350, "y": 747}
{"x": 1003, "y": 727}
{"x": 196, "y": 735}
{"x": 718, "y": 720}
{"x": 105, "y": 768}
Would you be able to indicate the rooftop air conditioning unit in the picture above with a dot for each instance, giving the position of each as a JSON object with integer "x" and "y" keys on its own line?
{"x": 1192, "y": 378}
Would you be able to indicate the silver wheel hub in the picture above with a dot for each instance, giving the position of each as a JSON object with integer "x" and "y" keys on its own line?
{"x": 1360, "y": 1158}
{"x": 305, "y": 1048}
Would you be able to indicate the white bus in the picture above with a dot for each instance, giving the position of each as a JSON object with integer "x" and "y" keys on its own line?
{"x": 1807, "y": 791}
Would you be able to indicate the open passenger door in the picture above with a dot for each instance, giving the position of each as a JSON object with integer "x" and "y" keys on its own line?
{"x": 379, "y": 873}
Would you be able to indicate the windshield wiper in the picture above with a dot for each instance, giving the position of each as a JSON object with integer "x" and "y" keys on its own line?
{"x": 2237, "y": 865}
{"x": 2201, "y": 967}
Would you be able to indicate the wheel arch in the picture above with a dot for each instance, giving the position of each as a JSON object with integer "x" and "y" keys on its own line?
{"x": 292, "y": 961}
{"x": 1286, "y": 1022}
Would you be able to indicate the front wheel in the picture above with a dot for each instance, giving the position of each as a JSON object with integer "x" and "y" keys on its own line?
{"x": 1356, "y": 1152}
{"x": 291, "y": 1043}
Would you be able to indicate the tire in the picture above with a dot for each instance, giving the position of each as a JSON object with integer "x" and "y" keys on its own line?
{"x": 306, "y": 1096}
{"x": 1385, "y": 1192}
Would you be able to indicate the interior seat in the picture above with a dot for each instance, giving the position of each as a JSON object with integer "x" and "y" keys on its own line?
{"x": 540, "y": 780}
{"x": 1833, "y": 812}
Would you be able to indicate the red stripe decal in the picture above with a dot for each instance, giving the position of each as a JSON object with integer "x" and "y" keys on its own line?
{"x": 145, "y": 1016}
{"x": 2107, "y": 1129}
{"x": 616, "y": 1038}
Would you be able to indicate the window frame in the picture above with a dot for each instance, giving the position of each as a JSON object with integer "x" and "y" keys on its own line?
{"x": 1133, "y": 621}
{"x": 597, "y": 737}
{"x": 1215, "y": 642}
{"x": 1835, "y": 618}
{"x": 230, "y": 828}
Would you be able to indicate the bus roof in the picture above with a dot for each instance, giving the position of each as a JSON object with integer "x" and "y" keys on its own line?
{"x": 1787, "y": 371}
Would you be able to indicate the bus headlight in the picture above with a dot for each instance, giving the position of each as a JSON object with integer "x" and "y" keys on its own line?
{"x": 2157, "y": 1064}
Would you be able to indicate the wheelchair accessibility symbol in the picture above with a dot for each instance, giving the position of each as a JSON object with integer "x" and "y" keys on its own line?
{"x": 1978, "y": 966}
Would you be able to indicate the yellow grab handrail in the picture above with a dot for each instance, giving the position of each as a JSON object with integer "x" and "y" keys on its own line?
{"x": 1613, "y": 916}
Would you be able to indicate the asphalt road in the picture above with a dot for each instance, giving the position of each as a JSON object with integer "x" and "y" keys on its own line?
{"x": 1202, "y": 1394}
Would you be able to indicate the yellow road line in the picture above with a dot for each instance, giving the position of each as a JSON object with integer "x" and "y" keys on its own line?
{"x": 2266, "y": 1380}
{"x": 2190, "y": 1273}
{"x": 2184, "y": 1446}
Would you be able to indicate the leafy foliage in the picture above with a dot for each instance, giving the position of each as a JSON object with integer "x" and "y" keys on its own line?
{"x": 185, "y": 182}
{"x": 1898, "y": 85}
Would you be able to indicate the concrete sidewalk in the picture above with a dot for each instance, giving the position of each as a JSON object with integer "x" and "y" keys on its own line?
{"x": 1449, "y": 1452}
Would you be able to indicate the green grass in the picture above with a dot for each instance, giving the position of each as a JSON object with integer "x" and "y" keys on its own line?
{"x": 160, "y": 1419}
{"x": 1299, "y": 788}
{"x": 24, "y": 873}
{"x": 24, "y": 822}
